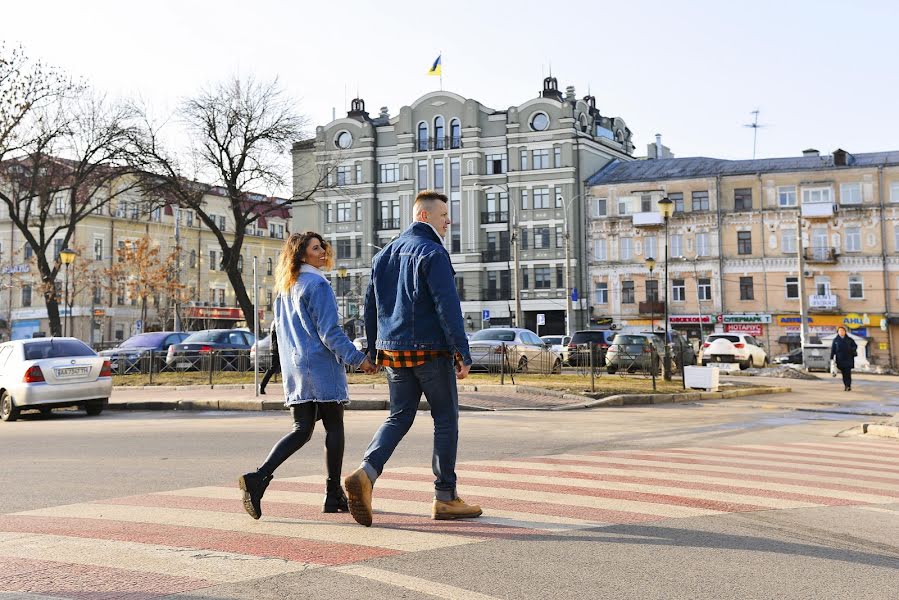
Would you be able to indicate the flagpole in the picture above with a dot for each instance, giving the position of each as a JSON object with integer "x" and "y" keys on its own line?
{"x": 441, "y": 70}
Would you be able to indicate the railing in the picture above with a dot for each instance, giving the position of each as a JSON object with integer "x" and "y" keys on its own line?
{"x": 496, "y": 294}
{"x": 494, "y": 217}
{"x": 651, "y": 307}
{"x": 438, "y": 143}
{"x": 388, "y": 224}
{"x": 821, "y": 254}
{"x": 501, "y": 255}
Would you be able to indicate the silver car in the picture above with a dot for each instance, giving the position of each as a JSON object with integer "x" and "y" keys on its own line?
{"x": 524, "y": 351}
{"x": 47, "y": 373}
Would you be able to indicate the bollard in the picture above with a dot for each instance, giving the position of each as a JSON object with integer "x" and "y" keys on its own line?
{"x": 683, "y": 371}
{"x": 152, "y": 363}
{"x": 653, "y": 365}
{"x": 592, "y": 370}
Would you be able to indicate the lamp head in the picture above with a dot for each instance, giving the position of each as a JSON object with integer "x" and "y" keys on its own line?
{"x": 650, "y": 264}
{"x": 342, "y": 272}
{"x": 67, "y": 256}
{"x": 666, "y": 207}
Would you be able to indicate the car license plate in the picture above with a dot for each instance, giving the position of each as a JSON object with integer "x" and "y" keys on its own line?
{"x": 183, "y": 365}
{"x": 72, "y": 371}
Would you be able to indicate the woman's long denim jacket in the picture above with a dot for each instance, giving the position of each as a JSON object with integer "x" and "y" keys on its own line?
{"x": 311, "y": 344}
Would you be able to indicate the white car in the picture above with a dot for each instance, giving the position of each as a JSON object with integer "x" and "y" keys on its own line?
{"x": 558, "y": 343}
{"x": 47, "y": 373}
{"x": 740, "y": 348}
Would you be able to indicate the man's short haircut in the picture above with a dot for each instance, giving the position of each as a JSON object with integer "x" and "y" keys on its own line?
{"x": 425, "y": 201}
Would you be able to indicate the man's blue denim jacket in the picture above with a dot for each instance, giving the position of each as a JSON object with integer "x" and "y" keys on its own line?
{"x": 412, "y": 303}
{"x": 311, "y": 343}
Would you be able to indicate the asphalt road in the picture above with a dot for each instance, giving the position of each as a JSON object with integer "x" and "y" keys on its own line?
{"x": 748, "y": 498}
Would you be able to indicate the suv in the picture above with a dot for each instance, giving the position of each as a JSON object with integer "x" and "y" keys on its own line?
{"x": 680, "y": 347}
{"x": 739, "y": 348}
{"x": 635, "y": 352}
{"x": 600, "y": 338}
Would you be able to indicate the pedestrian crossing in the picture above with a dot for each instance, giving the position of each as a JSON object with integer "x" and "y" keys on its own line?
{"x": 152, "y": 545}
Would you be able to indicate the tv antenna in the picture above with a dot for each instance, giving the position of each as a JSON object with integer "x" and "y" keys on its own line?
{"x": 755, "y": 126}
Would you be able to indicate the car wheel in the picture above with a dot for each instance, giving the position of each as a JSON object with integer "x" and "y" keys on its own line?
{"x": 95, "y": 407}
{"x": 745, "y": 364}
{"x": 557, "y": 366}
{"x": 611, "y": 370}
{"x": 765, "y": 363}
{"x": 523, "y": 364}
{"x": 8, "y": 409}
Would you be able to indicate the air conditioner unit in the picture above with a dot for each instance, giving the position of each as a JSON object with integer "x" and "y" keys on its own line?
{"x": 807, "y": 273}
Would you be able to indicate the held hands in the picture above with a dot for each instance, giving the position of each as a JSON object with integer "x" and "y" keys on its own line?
{"x": 462, "y": 371}
{"x": 368, "y": 367}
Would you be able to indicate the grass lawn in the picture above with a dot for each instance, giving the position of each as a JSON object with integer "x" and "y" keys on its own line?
{"x": 568, "y": 382}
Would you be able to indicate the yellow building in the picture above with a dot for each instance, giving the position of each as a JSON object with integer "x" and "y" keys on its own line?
{"x": 100, "y": 313}
{"x": 734, "y": 242}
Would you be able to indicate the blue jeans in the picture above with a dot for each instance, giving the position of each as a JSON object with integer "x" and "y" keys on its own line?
{"x": 437, "y": 380}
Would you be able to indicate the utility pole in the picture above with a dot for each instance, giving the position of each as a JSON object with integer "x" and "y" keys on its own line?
{"x": 177, "y": 317}
{"x": 803, "y": 320}
{"x": 516, "y": 273}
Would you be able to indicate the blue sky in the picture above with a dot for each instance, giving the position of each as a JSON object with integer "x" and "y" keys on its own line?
{"x": 822, "y": 73}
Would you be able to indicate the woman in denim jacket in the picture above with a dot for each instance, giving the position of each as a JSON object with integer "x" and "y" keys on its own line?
{"x": 313, "y": 349}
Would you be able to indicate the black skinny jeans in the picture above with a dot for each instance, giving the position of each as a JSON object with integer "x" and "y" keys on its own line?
{"x": 847, "y": 377}
{"x": 304, "y": 417}
{"x": 273, "y": 368}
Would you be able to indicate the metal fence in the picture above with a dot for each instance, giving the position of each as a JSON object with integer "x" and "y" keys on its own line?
{"x": 211, "y": 363}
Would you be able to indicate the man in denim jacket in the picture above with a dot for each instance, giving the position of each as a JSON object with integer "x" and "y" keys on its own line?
{"x": 415, "y": 329}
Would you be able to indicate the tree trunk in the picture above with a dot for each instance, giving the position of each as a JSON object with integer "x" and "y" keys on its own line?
{"x": 48, "y": 279}
{"x": 243, "y": 298}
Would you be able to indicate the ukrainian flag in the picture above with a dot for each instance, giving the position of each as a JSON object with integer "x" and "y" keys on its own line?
{"x": 435, "y": 68}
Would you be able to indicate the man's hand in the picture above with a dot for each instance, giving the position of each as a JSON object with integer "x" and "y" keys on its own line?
{"x": 462, "y": 371}
{"x": 368, "y": 367}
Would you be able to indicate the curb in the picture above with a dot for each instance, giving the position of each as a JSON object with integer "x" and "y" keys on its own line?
{"x": 637, "y": 399}
{"x": 886, "y": 430}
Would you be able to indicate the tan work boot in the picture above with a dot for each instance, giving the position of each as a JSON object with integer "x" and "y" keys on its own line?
{"x": 358, "y": 491}
{"x": 454, "y": 509}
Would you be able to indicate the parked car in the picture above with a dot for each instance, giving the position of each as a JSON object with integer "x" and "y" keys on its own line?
{"x": 264, "y": 348}
{"x": 634, "y": 352}
{"x": 739, "y": 348}
{"x": 577, "y": 351}
{"x": 126, "y": 357}
{"x": 228, "y": 344}
{"x": 524, "y": 351}
{"x": 48, "y": 373}
{"x": 681, "y": 348}
{"x": 793, "y": 357}
{"x": 558, "y": 343}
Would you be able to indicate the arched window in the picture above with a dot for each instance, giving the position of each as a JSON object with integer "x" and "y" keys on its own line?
{"x": 422, "y": 137}
{"x": 268, "y": 267}
{"x": 193, "y": 259}
{"x": 439, "y": 133}
{"x": 455, "y": 134}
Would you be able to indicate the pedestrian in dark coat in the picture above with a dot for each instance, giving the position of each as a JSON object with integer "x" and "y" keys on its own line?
{"x": 275, "y": 364}
{"x": 843, "y": 351}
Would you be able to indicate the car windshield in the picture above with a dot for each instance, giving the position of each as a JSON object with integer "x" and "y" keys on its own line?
{"x": 631, "y": 339}
{"x": 210, "y": 335}
{"x": 582, "y": 337}
{"x": 552, "y": 339}
{"x": 498, "y": 335}
{"x": 56, "y": 349}
{"x": 729, "y": 338}
{"x": 143, "y": 340}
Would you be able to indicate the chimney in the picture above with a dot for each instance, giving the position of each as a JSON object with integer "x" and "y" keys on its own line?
{"x": 659, "y": 152}
{"x": 569, "y": 92}
{"x": 384, "y": 114}
{"x": 810, "y": 152}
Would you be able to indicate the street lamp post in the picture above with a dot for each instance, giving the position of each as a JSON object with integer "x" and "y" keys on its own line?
{"x": 67, "y": 257}
{"x": 666, "y": 207}
{"x": 343, "y": 274}
{"x": 651, "y": 265}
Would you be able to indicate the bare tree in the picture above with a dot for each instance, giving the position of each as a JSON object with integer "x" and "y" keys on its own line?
{"x": 64, "y": 155}
{"x": 240, "y": 133}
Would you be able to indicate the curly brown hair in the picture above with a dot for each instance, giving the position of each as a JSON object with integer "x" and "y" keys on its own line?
{"x": 291, "y": 259}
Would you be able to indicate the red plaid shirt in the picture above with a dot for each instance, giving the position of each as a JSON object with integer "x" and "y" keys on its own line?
{"x": 409, "y": 358}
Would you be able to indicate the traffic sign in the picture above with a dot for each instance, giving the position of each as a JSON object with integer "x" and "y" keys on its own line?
{"x": 139, "y": 325}
{"x": 486, "y": 315}
{"x": 541, "y": 319}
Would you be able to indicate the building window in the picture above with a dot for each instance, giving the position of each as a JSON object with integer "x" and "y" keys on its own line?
{"x": 497, "y": 164}
{"x": 344, "y": 212}
{"x": 28, "y": 251}
{"x": 678, "y": 290}
{"x": 26, "y": 295}
{"x": 344, "y": 248}
{"x": 816, "y": 195}
{"x": 856, "y": 288}
{"x": 788, "y": 241}
{"x": 213, "y": 260}
{"x": 438, "y": 175}
{"x": 705, "y": 289}
{"x": 455, "y": 175}
{"x": 700, "y": 201}
{"x": 57, "y": 248}
{"x": 558, "y": 197}
{"x": 557, "y": 157}
{"x": 678, "y": 199}
{"x": 601, "y": 293}
{"x": 744, "y": 242}
{"x": 786, "y": 196}
{"x": 600, "y": 207}
{"x": 524, "y": 200}
{"x": 851, "y": 193}
{"x": 791, "y": 285}
{"x": 652, "y": 290}
{"x": 455, "y": 134}
{"x": 358, "y": 173}
{"x": 240, "y": 263}
{"x": 896, "y": 238}
{"x": 627, "y": 292}
{"x": 560, "y": 277}
{"x": 645, "y": 203}
{"x": 625, "y": 248}
{"x": 98, "y": 249}
{"x": 539, "y": 122}
{"x": 120, "y": 295}
{"x": 156, "y": 215}
{"x": 746, "y": 289}
{"x": 650, "y": 247}
{"x": 599, "y": 250}
{"x": 894, "y": 191}
{"x": 439, "y": 133}
{"x": 541, "y": 237}
{"x": 523, "y": 160}
{"x": 853, "y": 239}
{"x": 525, "y": 279}
{"x": 822, "y": 286}
{"x": 676, "y": 245}
{"x": 702, "y": 244}
{"x": 343, "y": 140}
{"x": 422, "y": 137}
{"x": 97, "y": 294}
{"x": 343, "y": 175}
{"x": 560, "y": 237}
{"x": 541, "y": 159}
{"x": 390, "y": 173}
{"x": 422, "y": 175}
{"x": 524, "y": 238}
{"x": 743, "y": 199}
{"x": 541, "y": 198}
{"x": 192, "y": 259}
{"x": 268, "y": 266}
{"x": 541, "y": 278}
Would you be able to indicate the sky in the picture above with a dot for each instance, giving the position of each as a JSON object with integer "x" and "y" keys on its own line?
{"x": 822, "y": 74}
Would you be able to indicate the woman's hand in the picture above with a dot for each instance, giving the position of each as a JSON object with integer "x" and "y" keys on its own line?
{"x": 368, "y": 367}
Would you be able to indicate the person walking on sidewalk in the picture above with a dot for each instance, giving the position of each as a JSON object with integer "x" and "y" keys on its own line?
{"x": 315, "y": 385}
{"x": 275, "y": 360}
{"x": 843, "y": 351}
{"x": 414, "y": 325}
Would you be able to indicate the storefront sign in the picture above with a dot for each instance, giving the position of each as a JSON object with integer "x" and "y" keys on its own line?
{"x": 849, "y": 321}
{"x": 745, "y": 318}
{"x": 688, "y": 319}
{"x": 213, "y": 312}
{"x": 751, "y": 329}
{"x": 15, "y": 269}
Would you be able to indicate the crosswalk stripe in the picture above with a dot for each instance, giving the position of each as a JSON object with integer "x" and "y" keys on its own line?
{"x": 854, "y": 448}
{"x": 664, "y": 510}
{"x": 708, "y": 493}
{"x": 222, "y": 567}
{"x": 837, "y": 455}
{"x": 348, "y": 533}
{"x": 784, "y": 456}
{"x": 730, "y": 483}
{"x": 885, "y": 446}
{"x": 413, "y": 584}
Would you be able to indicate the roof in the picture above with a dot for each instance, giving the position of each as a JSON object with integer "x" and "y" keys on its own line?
{"x": 701, "y": 166}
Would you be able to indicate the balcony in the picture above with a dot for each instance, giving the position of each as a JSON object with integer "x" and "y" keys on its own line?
{"x": 651, "y": 307}
{"x": 822, "y": 302}
{"x": 496, "y": 294}
{"x": 388, "y": 224}
{"x": 821, "y": 255}
{"x": 494, "y": 217}
{"x": 647, "y": 219}
{"x": 438, "y": 143}
{"x": 498, "y": 255}
{"x": 818, "y": 210}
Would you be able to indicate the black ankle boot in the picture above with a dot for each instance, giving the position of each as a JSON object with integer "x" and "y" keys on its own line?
{"x": 253, "y": 486}
{"x": 335, "y": 499}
